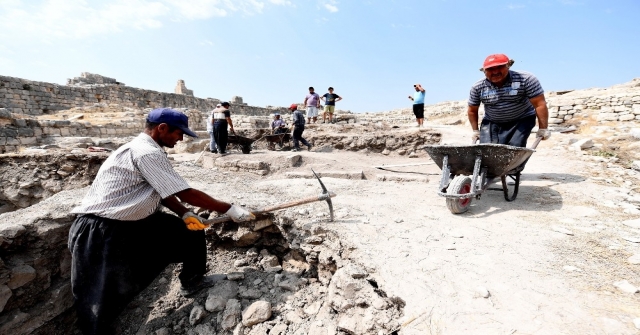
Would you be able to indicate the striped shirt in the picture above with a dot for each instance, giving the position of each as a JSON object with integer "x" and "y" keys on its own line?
{"x": 298, "y": 118}
{"x": 131, "y": 182}
{"x": 509, "y": 102}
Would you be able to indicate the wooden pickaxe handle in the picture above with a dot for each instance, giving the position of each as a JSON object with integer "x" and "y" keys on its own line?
{"x": 321, "y": 197}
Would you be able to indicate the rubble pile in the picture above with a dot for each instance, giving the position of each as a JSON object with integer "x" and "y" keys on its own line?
{"x": 29, "y": 178}
{"x": 282, "y": 277}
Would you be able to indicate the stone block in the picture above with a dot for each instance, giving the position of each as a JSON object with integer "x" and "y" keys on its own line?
{"x": 578, "y": 107}
{"x": 5, "y": 294}
{"x": 568, "y": 117}
{"x": 626, "y": 117}
{"x": 582, "y": 144}
{"x": 607, "y": 117}
{"x": 555, "y": 120}
{"x": 12, "y": 141}
{"x": 28, "y": 140}
{"x": 20, "y": 276}
{"x": 620, "y": 109}
{"x": 566, "y": 108}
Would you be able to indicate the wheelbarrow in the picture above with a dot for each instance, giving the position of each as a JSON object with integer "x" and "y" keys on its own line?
{"x": 467, "y": 170}
{"x": 279, "y": 139}
{"x": 243, "y": 142}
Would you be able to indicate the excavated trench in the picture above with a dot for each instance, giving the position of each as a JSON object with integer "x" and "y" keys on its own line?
{"x": 284, "y": 276}
{"x": 302, "y": 272}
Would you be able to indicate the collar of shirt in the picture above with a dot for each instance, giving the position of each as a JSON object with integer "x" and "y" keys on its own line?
{"x": 148, "y": 139}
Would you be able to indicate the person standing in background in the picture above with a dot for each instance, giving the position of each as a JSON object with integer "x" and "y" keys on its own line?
{"x": 418, "y": 104}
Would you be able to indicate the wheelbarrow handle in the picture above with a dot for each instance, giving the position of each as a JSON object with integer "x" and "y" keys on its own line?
{"x": 536, "y": 142}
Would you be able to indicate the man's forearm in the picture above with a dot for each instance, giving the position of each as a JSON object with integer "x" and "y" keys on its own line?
{"x": 174, "y": 205}
{"x": 200, "y": 199}
{"x": 472, "y": 114}
{"x": 543, "y": 116}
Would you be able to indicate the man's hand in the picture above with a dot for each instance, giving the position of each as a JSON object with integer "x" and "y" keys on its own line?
{"x": 193, "y": 221}
{"x": 410, "y": 97}
{"x": 239, "y": 214}
{"x": 544, "y": 133}
{"x": 476, "y": 136}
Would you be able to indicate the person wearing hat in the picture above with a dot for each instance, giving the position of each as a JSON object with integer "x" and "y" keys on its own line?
{"x": 513, "y": 100}
{"x": 212, "y": 143}
{"x": 120, "y": 241}
{"x": 221, "y": 124}
{"x": 278, "y": 126}
{"x": 298, "y": 128}
{"x": 418, "y": 104}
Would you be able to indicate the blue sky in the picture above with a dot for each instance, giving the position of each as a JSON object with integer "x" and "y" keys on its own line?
{"x": 270, "y": 51}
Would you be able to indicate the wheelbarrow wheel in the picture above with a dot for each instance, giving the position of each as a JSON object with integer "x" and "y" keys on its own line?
{"x": 459, "y": 185}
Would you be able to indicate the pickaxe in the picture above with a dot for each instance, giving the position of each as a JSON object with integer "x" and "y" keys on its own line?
{"x": 324, "y": 196}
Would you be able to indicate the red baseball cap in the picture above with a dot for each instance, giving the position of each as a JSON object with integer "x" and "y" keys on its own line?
{"x": 293, "y": 107}
{"x": 495, "y": 60}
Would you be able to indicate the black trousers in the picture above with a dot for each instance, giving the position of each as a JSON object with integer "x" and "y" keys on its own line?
{"x": 418, "y": 111}
{"x": 221, "y": 134}
{"x": 113, "y": 261}
{"x": 513, "y": 133}
{"x": 297, "y": 136}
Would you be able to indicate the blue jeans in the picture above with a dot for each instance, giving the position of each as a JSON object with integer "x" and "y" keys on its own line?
{"x": 514, "y": 133}
{"x": 212, "y": 143}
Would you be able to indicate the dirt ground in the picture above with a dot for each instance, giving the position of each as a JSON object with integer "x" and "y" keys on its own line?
{"x": 547, "y": 261}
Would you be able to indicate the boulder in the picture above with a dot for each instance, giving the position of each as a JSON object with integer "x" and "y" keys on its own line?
{"x": 257, "y": 312}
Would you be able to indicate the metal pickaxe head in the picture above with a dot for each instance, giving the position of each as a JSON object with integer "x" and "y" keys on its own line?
{"x": 326, "y": 196}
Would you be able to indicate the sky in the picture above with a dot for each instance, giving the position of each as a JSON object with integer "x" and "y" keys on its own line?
{"x": 270, "y": 51}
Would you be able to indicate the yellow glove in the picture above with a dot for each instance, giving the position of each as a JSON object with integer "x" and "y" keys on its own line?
{"x": 193, "y": 221}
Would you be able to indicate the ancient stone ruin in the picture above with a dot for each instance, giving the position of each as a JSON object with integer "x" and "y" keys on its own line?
{"x": 288, "y": 272}
{"x": 181, "y": 88}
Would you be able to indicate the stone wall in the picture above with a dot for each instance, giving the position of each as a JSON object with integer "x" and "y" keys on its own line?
{"x": 21, "y": 96}
{"x": 35, "y": 265}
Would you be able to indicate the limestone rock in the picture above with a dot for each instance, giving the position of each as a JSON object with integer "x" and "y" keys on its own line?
{"x": 226, "y": 289}
{"x": 295, "y": 263}
{"x": 635, "y": 259}
{"x": 5, "y": 294}
{"x": 231, "y": 315}
{"x": 582, "y": 144}
{"x": 215, "y": 303}
{"x": 625, "y": 286}
{"x": 235, "y": 276}
{"x": 20, "y": 276}
{"x": 197, "y": 314}
{"x": 204, "y": 329}
{"x": 257, "y": 312}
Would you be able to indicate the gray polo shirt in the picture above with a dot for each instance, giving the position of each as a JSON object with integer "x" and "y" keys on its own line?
{"x": 509, "y": 102}
{"x": 131, "y": 182}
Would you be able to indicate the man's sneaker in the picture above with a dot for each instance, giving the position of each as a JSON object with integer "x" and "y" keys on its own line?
{"x": 309, "y": 147}
{"x": 295, "y": 149}
{"x": 214, "y": 151}
{"x": 187, "y": 290}
{"x": 223, "y": 153}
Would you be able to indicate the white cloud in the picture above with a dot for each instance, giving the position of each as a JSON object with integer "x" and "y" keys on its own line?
{"x": 80, "y": 18}
{"x": 331, "y": 6}
{"x": 206, "y": 43}
{"x": 281, "y": 2}
{"x": 515, "y": 6}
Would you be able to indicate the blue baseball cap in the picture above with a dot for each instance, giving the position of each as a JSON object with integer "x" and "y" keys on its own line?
{"x": 171, "y": 117}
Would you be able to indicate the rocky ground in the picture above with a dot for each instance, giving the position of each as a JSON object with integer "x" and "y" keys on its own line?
{"x": 564, "y": 258}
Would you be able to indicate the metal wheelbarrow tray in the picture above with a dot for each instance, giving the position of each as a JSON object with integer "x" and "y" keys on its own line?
{"x": 482, "y": 162}
{"x": 244, "y": 142}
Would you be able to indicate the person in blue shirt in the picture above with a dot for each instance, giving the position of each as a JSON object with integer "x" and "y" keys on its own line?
{"x": 418, "y": 104}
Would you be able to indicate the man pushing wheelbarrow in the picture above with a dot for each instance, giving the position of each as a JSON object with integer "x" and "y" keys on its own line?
{"x": 512, "y": 102}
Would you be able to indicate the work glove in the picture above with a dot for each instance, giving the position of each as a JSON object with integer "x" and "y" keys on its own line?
{"x": 544, "y": 133}
{"x": 193, "y": 221}
{"x": 476, "y": 136}
{"x": 239, "y": 214}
